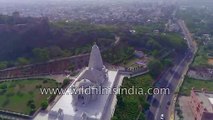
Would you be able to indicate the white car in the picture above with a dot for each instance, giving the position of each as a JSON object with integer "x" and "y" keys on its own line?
{"x": 162, "y": 117}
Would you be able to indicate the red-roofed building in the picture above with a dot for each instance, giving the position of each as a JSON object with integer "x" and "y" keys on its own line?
{"x": 201, "y": 103}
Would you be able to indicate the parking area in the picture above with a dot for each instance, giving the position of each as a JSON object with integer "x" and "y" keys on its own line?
{"x": 185, "y": 108}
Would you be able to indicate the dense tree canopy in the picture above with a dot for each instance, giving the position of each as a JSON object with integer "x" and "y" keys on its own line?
{"x": 39, "y": 40}
{"x": 155, "y": 66}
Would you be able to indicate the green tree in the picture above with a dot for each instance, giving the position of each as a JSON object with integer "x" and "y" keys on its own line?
{"x": 121, "y": 103}
{"x": 173, "y": 41}
{"x": 3, "y": 65}
{"x": 40, "y": 54}
{"x": 155, "y": 67}
{"x": 146, "y": 106}
{"x": 65, "y": 83}
{"x": 155, "y": 53}
{"x": 44, "y": 105}
{"x": 23, "y": 61}
{"x": 55, "y": 52}
{"x": 153, "y": 44}
{"x": 118, "y": 55}
{"x": 167, "y": 62}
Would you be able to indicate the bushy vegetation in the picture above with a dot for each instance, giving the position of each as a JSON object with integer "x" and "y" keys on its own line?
{"x": 155, "y": 67}
{"x": 201, "y": 58}
{"x": 129, "y": 106}
{"x": 190, "y": 83}
{"x": 118, "y": 54}
{"x": 44, "y": 105}
{"x": 3, "y": 64}
{"x": 65, "y": 83}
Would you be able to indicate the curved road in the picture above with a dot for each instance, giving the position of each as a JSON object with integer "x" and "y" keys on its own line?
{"x": 161, "y": 104}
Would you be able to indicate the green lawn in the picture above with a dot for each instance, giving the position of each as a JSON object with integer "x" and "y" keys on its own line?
{"x": 15, "y": 95}
{"x": 129, "y": 106}
{"x": 131, "y": 62}
{"x": 201, "y": 58}
{"x": 189, "y": 83}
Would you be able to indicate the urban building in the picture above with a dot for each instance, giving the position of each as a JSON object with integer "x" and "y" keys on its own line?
{"x": 201, "y": 103}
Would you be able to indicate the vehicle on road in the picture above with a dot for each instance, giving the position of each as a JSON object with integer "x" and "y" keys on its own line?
{"x": 168, "y": 103}
{"x": 162, "y": 117}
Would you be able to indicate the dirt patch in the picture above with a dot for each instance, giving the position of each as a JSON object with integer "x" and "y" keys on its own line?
{"x": 210, "y": 61}
{"x": 59, "y": 78}
{"x": 186, "y": 108}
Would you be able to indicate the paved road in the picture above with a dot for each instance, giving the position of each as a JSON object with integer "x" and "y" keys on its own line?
{"x": 160, "y": 104}
{"x": 188, "y": 36}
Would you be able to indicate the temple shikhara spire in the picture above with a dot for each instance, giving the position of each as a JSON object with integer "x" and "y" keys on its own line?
{"x": 95, "y": 60}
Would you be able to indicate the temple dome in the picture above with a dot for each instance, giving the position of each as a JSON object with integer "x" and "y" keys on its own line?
{"x": 83, "y": 83}
{"x": 94, "y": 75}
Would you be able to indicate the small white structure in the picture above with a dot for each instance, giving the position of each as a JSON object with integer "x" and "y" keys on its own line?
{"x": 86, "y": 100}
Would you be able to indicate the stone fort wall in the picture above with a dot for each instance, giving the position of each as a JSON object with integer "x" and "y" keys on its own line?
{"x": 56, "y": 66}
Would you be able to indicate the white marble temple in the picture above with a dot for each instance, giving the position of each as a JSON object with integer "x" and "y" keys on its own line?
{"x": 84, "y": 106}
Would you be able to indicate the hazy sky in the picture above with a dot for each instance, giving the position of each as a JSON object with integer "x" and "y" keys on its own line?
{"x": 19, "y": 1}
{"x": 43, "y": 1}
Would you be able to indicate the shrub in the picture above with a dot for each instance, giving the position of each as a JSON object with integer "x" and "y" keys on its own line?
{"x": 38, "y": 86}
{"x": 65, "y": 83}
{"x": 45, "y": 81}
{"x": 30, "y": 102}
{"x": 4, "y": 86}
{"x": 44, "y": 105}
{"x": 32, "y": 111}
{"x": 32, "y": 106}
{"x": 120, "y": 103}
{"x": 115, "y": 118}
{"x": 146, "y": 106}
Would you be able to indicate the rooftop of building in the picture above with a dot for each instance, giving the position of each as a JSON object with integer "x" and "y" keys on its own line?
{"x": 206, "y": 98}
